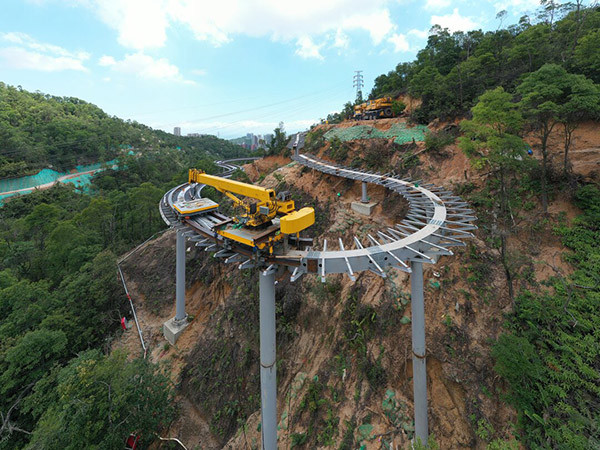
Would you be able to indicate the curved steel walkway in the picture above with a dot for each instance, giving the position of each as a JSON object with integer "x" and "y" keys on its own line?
{"x": 436, "y": 221}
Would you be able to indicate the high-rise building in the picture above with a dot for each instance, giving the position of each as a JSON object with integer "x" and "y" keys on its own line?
{"x": 177, "y": 131}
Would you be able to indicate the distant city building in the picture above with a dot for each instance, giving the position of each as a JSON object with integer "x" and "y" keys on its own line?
{"x": 195, "y": 135}
{"x": 177, "y": 131}
{"x": 253, "y": 141}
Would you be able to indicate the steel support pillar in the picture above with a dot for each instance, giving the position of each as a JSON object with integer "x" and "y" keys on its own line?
{"x": 180, "y": 314}
{"x": 418, "y": 348}
{"x": 268, "y": 379}
{"x": 365, "y": 198}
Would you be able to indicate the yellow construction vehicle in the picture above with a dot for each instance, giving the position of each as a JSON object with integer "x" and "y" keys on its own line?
{"x": 262, "y": 222}
{"x": 374, "y": 109}
{"x": 359, "y": 111}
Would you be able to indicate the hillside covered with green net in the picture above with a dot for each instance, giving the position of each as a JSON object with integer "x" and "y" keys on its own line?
{"x": 400, "y": 132}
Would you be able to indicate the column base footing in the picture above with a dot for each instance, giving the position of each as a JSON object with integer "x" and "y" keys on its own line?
{"x": 363, "y": 208}
{"x": 172, "y": 329}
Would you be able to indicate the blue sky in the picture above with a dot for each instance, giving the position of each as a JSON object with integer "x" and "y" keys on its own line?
{"x": 223, "y": 67}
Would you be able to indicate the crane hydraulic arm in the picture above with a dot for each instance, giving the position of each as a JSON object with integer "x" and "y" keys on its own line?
{"x": 268, "y": 205}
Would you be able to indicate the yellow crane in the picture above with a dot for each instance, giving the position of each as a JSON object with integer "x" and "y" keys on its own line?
{"x": 374, "y": 109}
{"x": 264, "y": 221}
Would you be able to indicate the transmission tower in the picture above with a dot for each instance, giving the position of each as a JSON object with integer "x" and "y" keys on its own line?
{"x": 358, "y": 84}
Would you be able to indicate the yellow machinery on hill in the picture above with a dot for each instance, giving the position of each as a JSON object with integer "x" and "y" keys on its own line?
{"x": 264, "y": 221}
{"x": 374, "y": 109}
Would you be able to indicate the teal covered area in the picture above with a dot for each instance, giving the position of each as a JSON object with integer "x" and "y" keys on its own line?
{"x": 78, "y": 177}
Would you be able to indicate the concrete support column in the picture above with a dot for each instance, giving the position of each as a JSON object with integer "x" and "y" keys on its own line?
{"x": 173, "y": 327}
{"x": 268, "y": 379}
{"x": 180, "y": 314}
{"x": 365, "y": 198}
{"x": 418, "y": 348}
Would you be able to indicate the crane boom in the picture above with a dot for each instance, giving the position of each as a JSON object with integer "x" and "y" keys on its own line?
{"x": 258, "y": 219}
{"x": 235, "y": 187}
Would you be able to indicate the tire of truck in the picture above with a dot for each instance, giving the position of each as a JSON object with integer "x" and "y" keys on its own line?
{"x": 387, "y": 112}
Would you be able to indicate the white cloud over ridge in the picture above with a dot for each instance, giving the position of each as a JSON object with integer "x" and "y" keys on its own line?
{"x": 517, "y": 7}
{"x": 421, "y": 34}
{"x": 144, "y": 66}
{"x": 400, "y": 43}
{"x": 455, "y": 22}
{"x": 25, "y": 52}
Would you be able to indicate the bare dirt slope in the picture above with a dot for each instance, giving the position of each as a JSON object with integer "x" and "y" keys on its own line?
{"x": 344, "y": 348}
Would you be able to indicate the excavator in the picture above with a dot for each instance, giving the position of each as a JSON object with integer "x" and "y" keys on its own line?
{"x": 266, "y": 217}
{"x": 374, "y": 109}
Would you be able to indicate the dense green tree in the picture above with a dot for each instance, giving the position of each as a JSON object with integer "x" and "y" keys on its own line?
{"x": 454, "y": 69}
{"x": 550, "y": 358}
{"x": 277, "y": 145}
{"x": 587, "y": 56}
{"x": 38, "y": 130}
{"x": 101, "y": 400}
{"x": 550, "y": 96}
{"x": 28, "y": 360}
{"x": 583, "y": 103}
{"x": 491, "y": 141}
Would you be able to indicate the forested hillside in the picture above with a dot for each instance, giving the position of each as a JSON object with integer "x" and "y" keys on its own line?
{"x": 530, "y": 85}
{"x": 60, "y": 297}
{"x": 455, "y": 68}
{"x": 39, "y": 130}
{"x": 513, "y": 319}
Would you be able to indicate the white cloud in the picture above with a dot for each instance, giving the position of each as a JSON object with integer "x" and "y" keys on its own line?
{"x": 144, "y": 66}
{"x": 517, "y": 7}
{"x": 400, "y": 42}
{"x": 377, "y": 23}
{"x": 455, "y": 22}
{"x": 143, "y": 24}
{"x": 107, "y": 61}
{"x": 435, "y": 5}
{"x": 308, "y": 49}
{"x": 341, "y": 40}
{"x": 20, "y": 58}
{"x": 25, "y": 52}
{"x": 421, "y": 34}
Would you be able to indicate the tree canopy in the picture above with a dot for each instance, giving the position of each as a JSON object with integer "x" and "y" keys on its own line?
{"x": 454, "y": 69}
{"x": 39, "y": 130}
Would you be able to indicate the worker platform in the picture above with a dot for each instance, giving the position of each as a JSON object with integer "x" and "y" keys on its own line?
{"x": 196, "y": 206}
{"x": 252, "y": 237}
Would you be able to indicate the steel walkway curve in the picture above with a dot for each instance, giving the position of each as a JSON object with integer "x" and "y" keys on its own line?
{"x": 436, "y": 221}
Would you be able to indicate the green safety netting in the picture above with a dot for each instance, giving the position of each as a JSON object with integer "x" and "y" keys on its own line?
{"x": 25, "y": 185}
{"x": 398, "y": 131}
